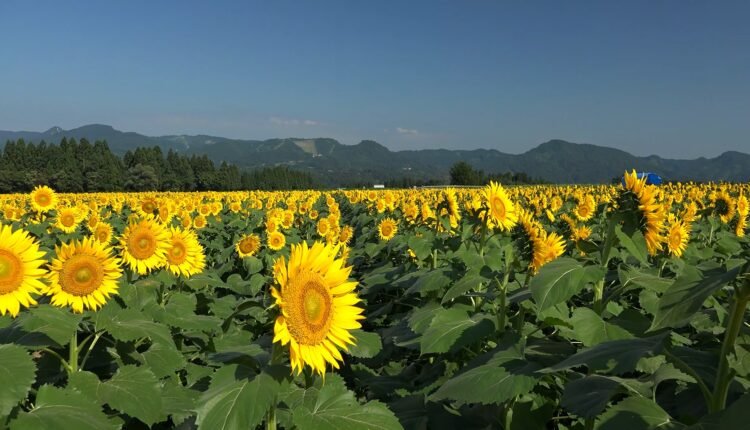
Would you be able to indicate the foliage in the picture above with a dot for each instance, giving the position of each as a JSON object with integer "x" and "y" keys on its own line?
{"x": 462, "y": 329}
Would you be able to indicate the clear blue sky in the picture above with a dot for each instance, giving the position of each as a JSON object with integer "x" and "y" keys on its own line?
{"x": 651, "y": 77}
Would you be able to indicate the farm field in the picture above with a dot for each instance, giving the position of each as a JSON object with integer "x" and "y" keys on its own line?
{"x": 526, "y": 307}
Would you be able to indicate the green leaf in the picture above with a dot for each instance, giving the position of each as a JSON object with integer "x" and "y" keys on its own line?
{"x": 556, "y": 282}
{"x": 636, "y": 245}
{"x": 462, "y": 286}
{"x": 57, "y": 323}
{"x": 17, "y": 373}
{"x": 252, "y": 264}
{"x": 235, "y": 404}
{"x": 421, "y": 317}
{"x": 366, "y": 345}
{"x": 591, "y": 329}
{"x": 588, "y": 396}
{"x": 333, "y": 407}
{"x": 636, "y": 413}
{"x": 163, "y": 360}
{"x": 686, "y": 296}
{"x": 445, "y": 328}
{"x": 432, "y": 281}
{"x": 58, "y": 408}
{"x": 489, "y": 383}
{"x": 631, "y": 278}
{"x": 179, "y": 402}
{"x": 128, "y": 325}
{"x": 134, "y": 391}
{"x": 616, "y": 356}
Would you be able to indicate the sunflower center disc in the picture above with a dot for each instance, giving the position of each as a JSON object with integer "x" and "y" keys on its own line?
{"x": 81, "y": 275}
{"x": 10, "y": 272}
{"x": 314, "y": 304}
{"x": 498, "y": 208}
{"x": 42, "y": 200}
{"x": 142, "y": 245}
{"x": 68, "y": 220}
{"x": 177, "y": 254}
{"x": 246, "y": 246}
{"x": 311, "y": 311}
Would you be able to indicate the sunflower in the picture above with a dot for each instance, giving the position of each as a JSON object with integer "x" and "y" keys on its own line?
{"x": 739, "y": 229}
{"x": 185, "y": 256}
{"x": 653, "y": 219}
{"x": 547, "y": 247}
{"x": 317, "y": 303}
{"x": 103, "y": 232}
{"x": 21, "y": 270}
{"x": 83, "y": 275}
{"x": 145, "y": 245}
{"x": 743, "y": 207}
{"x": 199, "y": 222}
{"x": 387, "y": 229}
{"x": 322, "y": 227}
{"x": 678, "y": 235}
{"x": 346, "y": 234}
{"x": 276, "y": 240}
{"x": 585, "y": 209}
{"x": 724, "y": 207}
{"x": 43, "y": 198}
{"x": 67, "y": 219}
{"x": 651, "y": 214}
{"x": 248, "y": 245}
{"x": 500, "y": 209}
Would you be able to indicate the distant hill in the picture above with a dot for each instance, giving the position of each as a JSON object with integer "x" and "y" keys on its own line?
{"x": 368, "y": 161}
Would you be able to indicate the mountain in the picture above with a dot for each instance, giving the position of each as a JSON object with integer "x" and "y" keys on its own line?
{"x": 368, "y": 161}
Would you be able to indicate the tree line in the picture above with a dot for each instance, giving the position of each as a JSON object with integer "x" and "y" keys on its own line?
{"x": 80, "y": 166}
{"x": 462, "y": 173}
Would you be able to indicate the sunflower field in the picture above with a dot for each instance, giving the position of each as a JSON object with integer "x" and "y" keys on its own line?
{"x": 528, "y": 307}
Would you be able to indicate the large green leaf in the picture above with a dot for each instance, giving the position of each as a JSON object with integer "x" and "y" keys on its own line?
{"x": 636, "y": 245}
{"x": 631, "y": 278}
{"x": 232, "y": 403}
{"x": 686, "y": 296}
{"x": 462, "y": 286}
{"x": 617, "y": 356}
{"x": 636, "y": 413}
{"x": 333, "y": 407}
{"x": 366, "y": 345}
{"x": 556, "y": 282}
{"x": 432, "y": 281}
{"x": 129, "y": 325}
{"x": 179, "y": 402}
{"x": 445, "y": 329}
{"x": 163, "y": 359}
{"x": 490, "y": 383}
{"x": 134, "y": 391}
{"x": 588, "y": 396}
{"x": 17, "y": 373}
{"x": 63, "y": 409}
{"x": 57, "y": 323}
{"x": 591, "y": 329}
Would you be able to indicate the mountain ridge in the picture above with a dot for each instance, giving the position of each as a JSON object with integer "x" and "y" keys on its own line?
{"x": 556, "y": 160}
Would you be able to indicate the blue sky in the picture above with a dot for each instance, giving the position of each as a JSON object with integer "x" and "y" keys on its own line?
{"x": 670, "y": 78}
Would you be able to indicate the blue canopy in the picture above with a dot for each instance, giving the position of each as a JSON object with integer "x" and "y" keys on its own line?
{"x": 651, "y": 178}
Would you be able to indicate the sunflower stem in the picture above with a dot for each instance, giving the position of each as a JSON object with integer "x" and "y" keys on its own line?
{"x": 91, "y": 348}
{"x": 63, "y": 361}
{"x": 724, "y": 375}
{"x": 73, "y": 357}
{"x": 598, "y": 297}
{"x": 276, "y": 355}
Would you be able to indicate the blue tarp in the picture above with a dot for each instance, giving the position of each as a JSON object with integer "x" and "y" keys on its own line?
{"x": 651, "y": 178}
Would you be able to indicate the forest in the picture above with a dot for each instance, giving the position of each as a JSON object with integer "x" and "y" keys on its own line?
{"x": 80, "y": 166}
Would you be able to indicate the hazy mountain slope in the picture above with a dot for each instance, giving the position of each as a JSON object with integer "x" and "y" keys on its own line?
{"x": 368, "y": 161}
